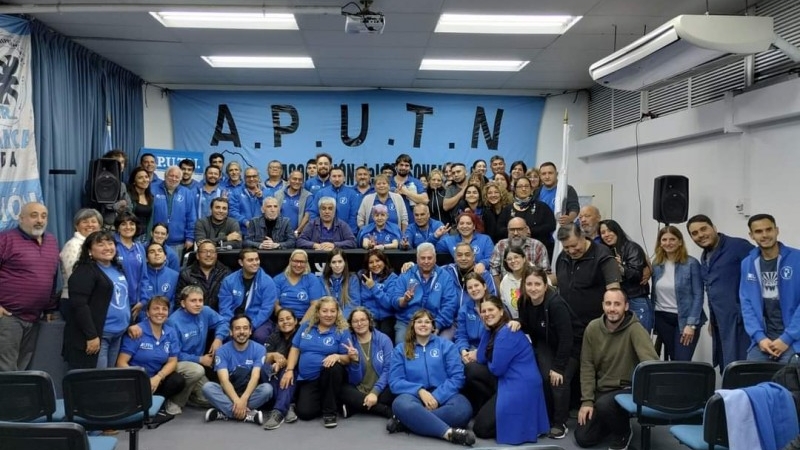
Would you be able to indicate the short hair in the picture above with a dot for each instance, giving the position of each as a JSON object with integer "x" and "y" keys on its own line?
{"x": 241, "y": 315}
{"x": 548, "y": 163}
{"x": 426, "y": 247}
{"x": 378, "y": 208}
{"x": 218, "y": 200}
{"x": 697, "y": 218}
{"x": 190, "y": 289}
{"x": 266, "y": 199}
{"x": 517, "y": 250}
{"x": 760, "y": 217}
{"x": 216, "y": 155}
{"x": 203, "y": 242}
{"x": 187, "y": 162}
{"x": 124, "y": 217}
{"x": 312, "y": 161}
{"x": 294, "y": 253}
{"x": 362, "y": 167}
{"x": 567, "y": 231}
{"x": 116, "y": 153}
{"x": 387, "y": 166}
{"x": 368, "y": 313}
{"x": 231, "y": 164}
{"x": 465, "y": 244}
{"x": 616, "y": 290}
{"x": 326, "y": 201}
{"x": 475, "y": 163}
{"x": 210, "y": 167}
{"x": 87, "y": 213}
{"x": 145, "y": 155}
{"x": 458, "y": 164}
{"x": 496, "y": 158}
{"x": 403, "y": 157}
{"x": 323, "y": 155}
{"x": 158, "y": 300}
{"x": 339, "y": 168}
{"x": 247, "y": 250}
{"x": 172, "y": 169}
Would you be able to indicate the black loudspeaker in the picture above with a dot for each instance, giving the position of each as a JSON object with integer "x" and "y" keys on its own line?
{"x": 671, "y": 199}
{"x": 106, "y": 181}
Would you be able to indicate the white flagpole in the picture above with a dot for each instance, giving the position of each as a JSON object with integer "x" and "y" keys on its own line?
{"x": 561, "y": 187}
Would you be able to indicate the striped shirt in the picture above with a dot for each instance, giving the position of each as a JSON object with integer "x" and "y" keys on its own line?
{"x": 27, "y": 273}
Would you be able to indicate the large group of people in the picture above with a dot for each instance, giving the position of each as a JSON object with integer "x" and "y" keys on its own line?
{"x": 500, "y": 336}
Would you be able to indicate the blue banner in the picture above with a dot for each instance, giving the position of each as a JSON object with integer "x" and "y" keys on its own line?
{"x": 367, "y": 127}
{"x": 19, "y": 165}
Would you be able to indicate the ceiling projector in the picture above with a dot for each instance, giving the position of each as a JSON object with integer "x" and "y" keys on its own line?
{"x": 364, "y": 23}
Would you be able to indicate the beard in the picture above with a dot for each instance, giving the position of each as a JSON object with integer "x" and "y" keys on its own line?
{"x": 516, "y": 241}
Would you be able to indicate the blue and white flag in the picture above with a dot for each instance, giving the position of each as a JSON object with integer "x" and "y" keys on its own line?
{"x": 19, "y": 165}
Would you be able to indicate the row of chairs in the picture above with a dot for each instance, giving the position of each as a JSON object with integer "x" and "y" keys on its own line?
{"x": 94, "y": 399}
{"x": 682, "y": 394}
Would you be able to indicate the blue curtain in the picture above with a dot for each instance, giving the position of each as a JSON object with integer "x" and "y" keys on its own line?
{"x": 74, "y": 90}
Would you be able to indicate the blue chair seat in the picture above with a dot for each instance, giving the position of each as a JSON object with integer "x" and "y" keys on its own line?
{"x": 692, "y": 437}
{"x": 58, "y": 415}
{"x": 158, "y": 401}
{"x": 102, "y": 443}
{"x": 626, "y": 402}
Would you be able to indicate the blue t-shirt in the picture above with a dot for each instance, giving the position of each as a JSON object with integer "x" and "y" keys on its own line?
{"x": 149, "y": 352}
{"x": 548, "y": 196}
{"x": 240, "y": 364}
{"x": 291, "y": 208}
{"x": 389, "y": 204}
{"x": 298, "y": 297}
{"x": 314, "y": 346}
{"x": 118, "y": 315}
{"x": 412, "y": 185}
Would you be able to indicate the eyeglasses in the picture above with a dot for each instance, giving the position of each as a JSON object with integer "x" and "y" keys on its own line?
{"x": 206, "y": 252}
{"x": 299, "y": 261}
{"x": 251, "y": 176}
{"x": 517, "y": 230}
{"x": 523, "y": 186}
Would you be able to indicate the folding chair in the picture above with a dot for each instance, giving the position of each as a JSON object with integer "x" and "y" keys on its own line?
{"x": 740, "y": 374}
{"x": 118, "y": 398}
{"x": 712, "y": 435}
{"x": 29, "y": 396}
{"x": 668, "y": 393}
{"x": 51, "y": 436}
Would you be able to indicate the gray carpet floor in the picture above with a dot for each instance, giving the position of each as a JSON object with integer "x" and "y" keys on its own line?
{"x": 188, "y": 431}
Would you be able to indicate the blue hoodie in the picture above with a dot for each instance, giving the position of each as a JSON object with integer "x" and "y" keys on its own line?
{"x": 481, "y": 244}
{"x": 313, "y": 185}
{"x": 436, "y": 296}
{"x": 353, "y": 292}
{"x": 161, "y": 281}
{"x": 463, "y": 296}
{"x": 378, "y": 299}
{"x": 469, "y": 328}
{"x": 244, "y": 206}
{"x": 133, "y": 261}
{"x": 262, "y": 302}
{"x": 436, "y": 367}
{"x": 193, "y": 331}
{"x": 788, "y": 293}
{"x": 347, "y": 203}
{"x": 416, "y": 235}
{"x": 180, "y": 215}
{"x": 383, "y": 237}
{"x": 380, "y": 357}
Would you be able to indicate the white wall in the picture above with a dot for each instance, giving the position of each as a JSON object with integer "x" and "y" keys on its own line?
{"x": 157, "y": 119}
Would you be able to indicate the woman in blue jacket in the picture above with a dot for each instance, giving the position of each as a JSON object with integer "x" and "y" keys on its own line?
{"x": 368, "y": 371}
{"x": 158, "y": 279}
{"x": 160, "y": 232}
{"x": 377, "y": 279}
{"x": 130, "y": 255}
{"x": 518, "y": 412}
{"x": 677, "y": 295}
{"x": 426, "y": 374}
{"x": 339, "y": 283}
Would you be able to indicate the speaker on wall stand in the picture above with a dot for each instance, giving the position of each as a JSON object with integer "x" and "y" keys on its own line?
{"x": 106, "y": 181}
{"x": 671, "y": 199}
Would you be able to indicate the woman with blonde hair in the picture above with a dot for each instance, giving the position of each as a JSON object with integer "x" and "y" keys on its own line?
{"x": 298, "y": 288}
{"x": 319, "y": 353}
{"x": 495, "y": 199}
{"x": 426, "y": 374}
{"x": 677, "y": 295}
{"x": 436, "y": 192}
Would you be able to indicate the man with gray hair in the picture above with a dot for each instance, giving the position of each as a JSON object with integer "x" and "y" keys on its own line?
{"x": 425, "y": 285}
{"x": 270, "y": 231}
{"x": 175, "y": 205}
{"x": 28, "y": 269}
{"x": 326, "y": 232}
{"x": 518, "y": 236}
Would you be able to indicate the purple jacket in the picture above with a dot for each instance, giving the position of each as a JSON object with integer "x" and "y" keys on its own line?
{"x": 312, "y": 234}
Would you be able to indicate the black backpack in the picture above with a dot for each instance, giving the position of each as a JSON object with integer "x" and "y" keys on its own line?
{"x": 789, "y": 377}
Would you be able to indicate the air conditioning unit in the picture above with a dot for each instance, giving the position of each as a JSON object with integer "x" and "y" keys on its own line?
{"x": 685, "y": 46}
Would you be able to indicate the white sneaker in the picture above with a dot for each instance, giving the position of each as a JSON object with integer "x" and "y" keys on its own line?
{"x": 172, "y": 408}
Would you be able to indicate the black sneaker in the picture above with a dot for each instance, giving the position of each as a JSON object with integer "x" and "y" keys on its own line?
{"x": 620, "y": 442}
{"x": 394, "y": 425}
{"x": 214, "y": 414}
{"x": 558, "y": 432}
{"x": 254, "y": 416}
{"x": 329, "y": 421}
{"x": 461, "y": 436}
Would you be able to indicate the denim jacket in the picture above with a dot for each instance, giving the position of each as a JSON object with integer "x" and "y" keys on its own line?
{"x": 688, "y": 290}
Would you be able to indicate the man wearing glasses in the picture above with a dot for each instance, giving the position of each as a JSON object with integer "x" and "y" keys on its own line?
{"x": 518, "y": 236}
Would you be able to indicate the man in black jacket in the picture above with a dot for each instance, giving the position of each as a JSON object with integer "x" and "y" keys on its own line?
{"x": 205, "y": 272}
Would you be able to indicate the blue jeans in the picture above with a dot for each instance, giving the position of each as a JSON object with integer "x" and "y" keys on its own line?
{"x": 643, "y": 309}
{"x": 455, "y": 412}
{"x": 109, "y": 350}
{"x": 283, "y": 397}
{"x": 755, "y": 354}
{"x": 218, "y": 399}
{"x": 400, "y": 331}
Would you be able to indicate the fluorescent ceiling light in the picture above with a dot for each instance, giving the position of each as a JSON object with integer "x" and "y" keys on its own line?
{"x": 262, "y": 62}
{"x": 227, "y": 20}
{"x": 501, "y": 24}
{"x": 472, "y": 65}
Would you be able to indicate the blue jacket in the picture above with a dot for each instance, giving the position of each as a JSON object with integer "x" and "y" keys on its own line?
{"x": 161, "y": 281}
{"x": 775, "y": 414}
{"x": 378, "y": 299}
{"x": 133, "y": 263}
{"x": 232, "y": 295}
{"x": 436, "y": 367}
{"x": 390, "y": 232}
{"x": 436, "y": 296}
{"x": 416, "y": 235}
{"x": 482, "y": 246}
{"x": 347, "y": 203}
{"x": 470, "y": 327}
{"x": 688, "y": 290}
{"x": 521, "y": 413}
{"x": 342, "y": 235}
{"x": 180, "y": 217}
{"x": 721, "y": 275}
{"x": 380, "y": 358}
{"x": 334, "y": 289}
{"x": 244, "y": 206}
{"x": 193, "y": 331}
{"x": 204, "y": 198}
{"x": 788, "y": 292}
{"x": 463, "y": 296}
{"x": 315, "y": 184}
